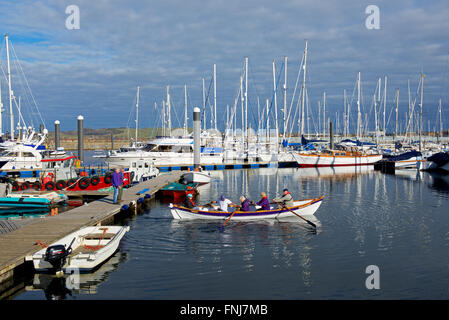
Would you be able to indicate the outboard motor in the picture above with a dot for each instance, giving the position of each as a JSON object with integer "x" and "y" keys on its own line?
{"x": 56, "y": 255}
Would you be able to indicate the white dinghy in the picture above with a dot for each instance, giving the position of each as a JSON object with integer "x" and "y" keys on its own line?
{"x": 82, "y": 250}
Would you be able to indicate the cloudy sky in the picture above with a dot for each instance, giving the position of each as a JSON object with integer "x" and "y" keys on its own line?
{"x": 94, "y": 70}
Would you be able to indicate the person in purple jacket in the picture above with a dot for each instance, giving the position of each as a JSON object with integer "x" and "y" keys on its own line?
{"x": 117, "y": 182}
{"x": 264, "y": 202}
{"x": 244, "y": 204}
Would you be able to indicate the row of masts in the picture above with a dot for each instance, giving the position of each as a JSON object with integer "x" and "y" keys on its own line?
{"x": 270, "y": 110}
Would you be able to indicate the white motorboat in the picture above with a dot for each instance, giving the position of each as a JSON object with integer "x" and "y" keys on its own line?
{"x": 165, "y": 151}
{"x": 81, "y": 251}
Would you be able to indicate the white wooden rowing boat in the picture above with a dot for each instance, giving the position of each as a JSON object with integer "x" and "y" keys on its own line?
{"x": 201, "y": 177}
{"x": 305, "y": 207}
{"x": 86, "y": 249}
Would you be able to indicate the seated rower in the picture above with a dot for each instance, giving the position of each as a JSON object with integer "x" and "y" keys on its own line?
{"x": 223, "y": 203}
{"x": 285, "y": 201}
{"x": 264, "y": 202}
{"x": 189, "y": 202}
{"x": 244, "y": 204}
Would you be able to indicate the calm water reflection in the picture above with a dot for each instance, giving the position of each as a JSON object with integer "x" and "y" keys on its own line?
{"x": 397, "y": 222}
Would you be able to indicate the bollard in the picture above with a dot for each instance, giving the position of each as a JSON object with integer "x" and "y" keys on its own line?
{"x": 80, "y": 138}
{"x": 196, "y": 137}
{"x": 57, "y": 135}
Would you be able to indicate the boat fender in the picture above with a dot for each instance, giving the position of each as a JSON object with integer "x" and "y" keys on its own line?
{"x": 25, "y": 185}
{"x": 147, "y": 196}
{"x": 60, "y": 184}
{"x": 140, "y": 200}
{"x": 125, "y": 207}
{"x": 37, "y": 185}
{"x": 95, "y": 180}
{"x": 50, "y": 185}
{"x": 71, "y": 184}
{"x": 15, "y": 186}
{"x": 84, "y": 183}
{"x": 108, "y": 178}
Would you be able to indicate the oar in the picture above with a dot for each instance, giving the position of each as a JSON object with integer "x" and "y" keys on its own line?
{"x": 309, "y": 222}
{"x": 222, "y": 227}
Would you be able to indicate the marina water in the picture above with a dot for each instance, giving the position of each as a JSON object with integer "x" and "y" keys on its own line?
{"x": 398, "y": 223}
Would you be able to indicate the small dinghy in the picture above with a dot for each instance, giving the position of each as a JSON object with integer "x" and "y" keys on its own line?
{"x": 305, "y": 207}
{"x": 200, "y": 177}
{"x": 178, "y": 191}
{"x": 83, "y": 250}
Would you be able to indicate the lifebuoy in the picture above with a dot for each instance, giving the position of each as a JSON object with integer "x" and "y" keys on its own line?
{"x": 60, "y": 184}
{"x": 25, "y": 186}
{"x": 78, "y": 163}
{"x": 37, "y": 185}
{"x": 50, "y": 185}
{"x": 84, "y": 183}
{"x": 94, "y": 180}
{"x": 71, "y": 184}
{"x": 15, "y": 186}
{"x": 108, "y": 178}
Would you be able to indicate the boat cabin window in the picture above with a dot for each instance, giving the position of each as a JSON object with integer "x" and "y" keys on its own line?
{"x": 134, "y": 164}
{"x": 28, "y": 154}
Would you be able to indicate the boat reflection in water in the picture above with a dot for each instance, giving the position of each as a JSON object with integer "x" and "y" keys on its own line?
{"x": 62, "y": 288}
{"x": 439, "y": 181}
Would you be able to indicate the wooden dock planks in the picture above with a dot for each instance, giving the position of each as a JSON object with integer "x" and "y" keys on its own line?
{"x": 17, "y": 244}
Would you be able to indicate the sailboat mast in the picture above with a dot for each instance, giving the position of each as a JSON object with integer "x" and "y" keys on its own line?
{"x": 169, "y": 110}
{"x": 242, "y": 100}
{"x": 9, "y": 88}
{"x": 324, "y": 114}
{"x": 285, "y": 96}
{"x": 137, "y": 112}
{"x": 344, "y": 113}
{"x": 204, "y": 105}
{"x": 359, "y": 115}
{"x": 441, "y": 120}
{"x": 1, "y": 109}
{"x": 385, "y": 105}
{"x": 397, "y": 111}
{"x": 246, "y": 99}
{"x": 275, "y": 98}
{"x": 421, "y": 111}
{"x": 303, "y": 89}
{"x": 185, "y": 110}
{"x": 215, "y": 96}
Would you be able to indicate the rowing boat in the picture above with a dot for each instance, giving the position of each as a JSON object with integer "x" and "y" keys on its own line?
{"x": 306, "y": 207}
{"x": 83, "y": 250}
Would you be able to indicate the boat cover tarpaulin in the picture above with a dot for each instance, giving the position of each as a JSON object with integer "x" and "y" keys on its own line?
{"x": 359, "y": 143}
{"x": 405, "y": 156}
{"x": 440, "y": 158}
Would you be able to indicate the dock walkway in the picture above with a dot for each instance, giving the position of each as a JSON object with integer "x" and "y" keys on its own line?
{"x": 17, "y": 244}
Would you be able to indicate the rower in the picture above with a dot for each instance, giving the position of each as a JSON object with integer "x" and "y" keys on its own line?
{"x": 286, "y": 200}
{"x": 223, "y": 203}
{"x": 244, "y": 204}
{"x": 189, "y": 202}
{"x": 264, "y": 203}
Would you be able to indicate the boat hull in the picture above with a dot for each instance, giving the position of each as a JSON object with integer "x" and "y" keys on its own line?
{"x": 314, "y": 160}
{"x": 197, "y": 177}
{"x": 306, "y": 207}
